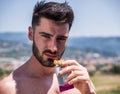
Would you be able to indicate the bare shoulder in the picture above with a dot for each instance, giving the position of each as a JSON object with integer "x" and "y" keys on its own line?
{"x": 7, "y": 85}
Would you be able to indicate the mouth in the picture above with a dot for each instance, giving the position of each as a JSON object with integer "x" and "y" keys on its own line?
{"x": 51, "y": 56}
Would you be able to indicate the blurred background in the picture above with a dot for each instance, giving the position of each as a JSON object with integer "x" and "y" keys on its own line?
{"x": 94, "y": 39}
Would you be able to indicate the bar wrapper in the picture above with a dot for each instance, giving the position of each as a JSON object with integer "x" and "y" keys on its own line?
{"x": 63, "y": 86}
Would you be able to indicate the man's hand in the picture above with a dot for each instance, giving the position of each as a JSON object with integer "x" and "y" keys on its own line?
{"x": 79, "y": 76}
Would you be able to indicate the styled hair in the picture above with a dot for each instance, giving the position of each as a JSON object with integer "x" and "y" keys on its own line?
{"x": 59, "y": 12}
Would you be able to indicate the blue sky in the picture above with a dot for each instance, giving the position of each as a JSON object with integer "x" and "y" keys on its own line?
{"x": 92, "y": 17}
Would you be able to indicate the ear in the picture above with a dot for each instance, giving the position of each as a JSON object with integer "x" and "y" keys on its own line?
{"x": 30, "y": 33}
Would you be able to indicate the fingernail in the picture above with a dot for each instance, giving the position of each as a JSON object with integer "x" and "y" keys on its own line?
{"x": 65, "y": 81}
{"x": 59, "y": 72}
{"x": 69, "y": 83}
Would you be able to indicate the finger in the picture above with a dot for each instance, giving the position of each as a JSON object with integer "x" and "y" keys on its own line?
{"x": 71, "y": 62}
{"x": 69, "y": 69}
{"x": 78, "y": 79}
{"x": 74, "y": 74}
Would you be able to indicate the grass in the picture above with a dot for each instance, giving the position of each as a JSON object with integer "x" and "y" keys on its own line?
{"x": 107, "y": 83}
{"x": 110, "y": 92}
{"x": 4, "y": 73}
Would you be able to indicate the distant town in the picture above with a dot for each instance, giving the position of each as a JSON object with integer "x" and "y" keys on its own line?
{"x": 14, "y": 54}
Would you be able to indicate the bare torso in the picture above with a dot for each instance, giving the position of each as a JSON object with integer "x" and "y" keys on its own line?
{"x": 33, "y": 86}
{"x": 23, "y": 82}
{"x": 41, "y": 85}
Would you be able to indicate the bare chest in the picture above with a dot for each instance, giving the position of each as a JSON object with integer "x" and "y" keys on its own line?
{"x": 37, "y": 87}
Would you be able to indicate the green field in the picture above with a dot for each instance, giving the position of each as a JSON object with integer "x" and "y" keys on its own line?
{"x": 107, "y": 83}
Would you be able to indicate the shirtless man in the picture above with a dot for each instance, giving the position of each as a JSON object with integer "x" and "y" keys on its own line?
{"x": 51, "y": 23}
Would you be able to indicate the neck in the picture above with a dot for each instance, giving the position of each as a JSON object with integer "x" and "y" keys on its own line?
{"x": 36, "y": 69}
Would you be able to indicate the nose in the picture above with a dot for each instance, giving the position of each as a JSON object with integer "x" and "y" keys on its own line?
{"x": 53, "y": 45}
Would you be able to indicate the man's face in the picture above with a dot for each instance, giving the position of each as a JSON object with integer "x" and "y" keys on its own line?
{"x": 49, "y": 41}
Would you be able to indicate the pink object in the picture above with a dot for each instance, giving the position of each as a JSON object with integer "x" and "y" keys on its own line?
{"x": 65, "y": 87}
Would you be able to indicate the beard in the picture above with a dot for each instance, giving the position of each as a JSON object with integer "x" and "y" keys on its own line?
{"x": 48, "y": 62}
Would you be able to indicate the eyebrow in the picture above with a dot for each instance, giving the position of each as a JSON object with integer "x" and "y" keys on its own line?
{"x": 60, "y": 36}
{"x": 44, "y": 33}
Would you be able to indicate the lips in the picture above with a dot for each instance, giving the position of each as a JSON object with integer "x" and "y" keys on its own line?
{"x": 52, "y": 56}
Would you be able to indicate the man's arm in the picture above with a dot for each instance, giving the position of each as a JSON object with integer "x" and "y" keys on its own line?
{"x": 7, "y": 86}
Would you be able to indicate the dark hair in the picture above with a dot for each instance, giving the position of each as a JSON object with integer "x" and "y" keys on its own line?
{"x": 59, "y": 12}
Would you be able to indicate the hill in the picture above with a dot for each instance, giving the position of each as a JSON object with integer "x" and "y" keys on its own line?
{"x": 15, "y": 37}
{"x": 106, "y": 46}
{"x": 14, "y": 49}
{"x": 103, "y": 45}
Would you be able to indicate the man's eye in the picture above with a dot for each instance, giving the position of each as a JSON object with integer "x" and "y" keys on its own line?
{"x": 61, "y": 38}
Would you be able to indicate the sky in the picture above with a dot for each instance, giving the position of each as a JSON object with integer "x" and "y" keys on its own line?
{"x": 93, "y": 18}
